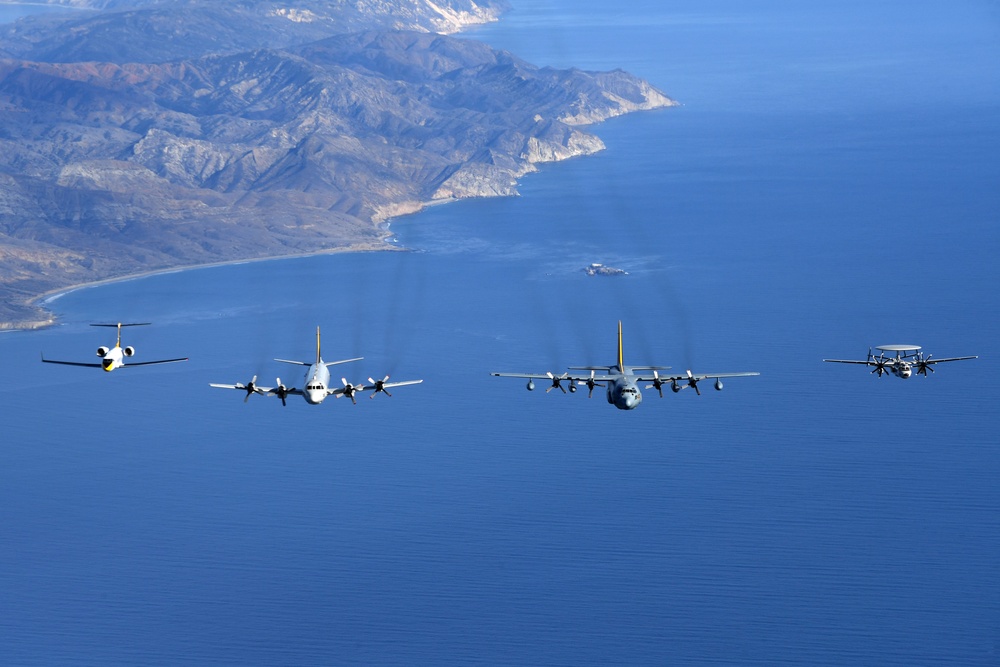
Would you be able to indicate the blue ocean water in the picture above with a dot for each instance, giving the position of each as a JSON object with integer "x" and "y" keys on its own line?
{"x": 830, "y": 183}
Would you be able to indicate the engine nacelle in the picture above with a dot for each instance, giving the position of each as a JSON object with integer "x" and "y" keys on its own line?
{"x": 102, "y": 351}
{"x": 718, "y": 384}
{"x": 531, "y": 385}
{"x": 129, "y": 351}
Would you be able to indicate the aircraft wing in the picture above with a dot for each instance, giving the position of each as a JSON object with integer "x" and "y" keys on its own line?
{"x": 697, "y": 377}
{"x": 851, "y": 361}
{"x": 89, "y": 364}
{"x": 337, "y": 391}
{"x": 564, "y": 376}
{"x": 242, "y": 387}
{"x": 531, "y": 376}
{"x": 73, "y": 363}
{"x": 941, "y": 361}
{"x": 153, "y": 363}
{"x": 279, "y": 392}
{"x": 390, "y": 385}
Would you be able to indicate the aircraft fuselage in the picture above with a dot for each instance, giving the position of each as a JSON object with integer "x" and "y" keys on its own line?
{"x": 115, "y": 357}
{"x": 623, "y": 393}
{"x": 901, "y": 369}
{"x": 317, "y": 380}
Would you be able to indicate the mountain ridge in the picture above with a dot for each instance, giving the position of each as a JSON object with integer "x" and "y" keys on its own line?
{"x": 111, "y": 168}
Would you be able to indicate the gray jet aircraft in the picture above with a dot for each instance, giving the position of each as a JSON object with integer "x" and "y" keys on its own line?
{"x": 908, "y": 359}
{"x": 317, "y": 383}
{"x": 621, "y": 381}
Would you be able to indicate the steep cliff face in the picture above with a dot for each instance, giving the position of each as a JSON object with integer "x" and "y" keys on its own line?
{"x": 112, "y": 168}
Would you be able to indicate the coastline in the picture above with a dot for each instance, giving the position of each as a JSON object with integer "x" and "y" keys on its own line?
{"x": 42, "y": 300}
{"x": 32, "y": 312}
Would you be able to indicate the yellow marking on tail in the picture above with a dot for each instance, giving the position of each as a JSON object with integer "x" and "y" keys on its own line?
{"x": 621, "y": 364}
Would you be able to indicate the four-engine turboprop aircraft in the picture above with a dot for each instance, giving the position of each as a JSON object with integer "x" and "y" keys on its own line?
{"x": 908, "y": 359}
{"x": 114, "y": 357}
{"x": 317, "y": 382}
{"x": 622, "y": 381}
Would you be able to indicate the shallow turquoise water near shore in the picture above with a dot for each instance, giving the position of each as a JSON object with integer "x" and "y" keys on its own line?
{"x": 799, "y": 205}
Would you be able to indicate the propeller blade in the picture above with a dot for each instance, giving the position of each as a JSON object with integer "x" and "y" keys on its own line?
{"x": 379, "y": 386}
{"x": 281, "y": 390}
{"x": 251, "y": 388}
{"x": 556, "y": 381}
{"x": 349, "y": 390}
{"x": 657, "y": 383}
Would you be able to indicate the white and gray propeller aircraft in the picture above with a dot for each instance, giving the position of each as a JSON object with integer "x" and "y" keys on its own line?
{"x": 317, "y": 382}
{"x": 908, "y": 360}
{"x": 621, "y": 381}
{"x": 114, "y": 357}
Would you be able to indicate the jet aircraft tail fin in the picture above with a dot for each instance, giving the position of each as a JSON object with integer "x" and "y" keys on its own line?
{"x": 119, "y": 325}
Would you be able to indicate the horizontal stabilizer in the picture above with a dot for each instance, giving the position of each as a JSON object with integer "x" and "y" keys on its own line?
{"x": 297, "y": 363}
{"x": 342, "y": 361}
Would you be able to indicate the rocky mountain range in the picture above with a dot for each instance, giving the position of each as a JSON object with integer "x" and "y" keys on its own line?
{"x": 185, "y": 133}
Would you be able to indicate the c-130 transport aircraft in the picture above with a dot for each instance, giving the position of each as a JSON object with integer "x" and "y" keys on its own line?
{"x": 622, "y": 381}
{"x": 317, "y": 382}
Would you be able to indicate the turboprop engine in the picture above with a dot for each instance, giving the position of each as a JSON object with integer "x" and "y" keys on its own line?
{"x": 102, "y": 351}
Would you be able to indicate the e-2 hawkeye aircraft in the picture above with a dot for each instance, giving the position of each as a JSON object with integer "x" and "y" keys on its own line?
{"x": 317, "y": 382}
{"x": 621, "y": 381}
{"x": 908, "y": 359}
{"x": 114, "y": 357}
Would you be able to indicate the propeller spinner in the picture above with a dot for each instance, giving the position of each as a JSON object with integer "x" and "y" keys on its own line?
{"x": 590, "y": 383}
{"x": 281, "y": 391}
{"x": 379, "y": 386}
{"x": 923, "y": 364}
{"x": 349, "y": 391}
{"x": 880, "y": 362}
{"x": 251, "y": 388}
{"x": 556, "y": 380}
{"x": 657, "y": 383}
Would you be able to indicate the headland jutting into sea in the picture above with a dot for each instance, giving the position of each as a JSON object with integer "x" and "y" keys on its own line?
{"x": 128, "y": 153}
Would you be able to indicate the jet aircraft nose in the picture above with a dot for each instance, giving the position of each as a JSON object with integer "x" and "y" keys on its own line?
{"x": 108, "y": 364}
